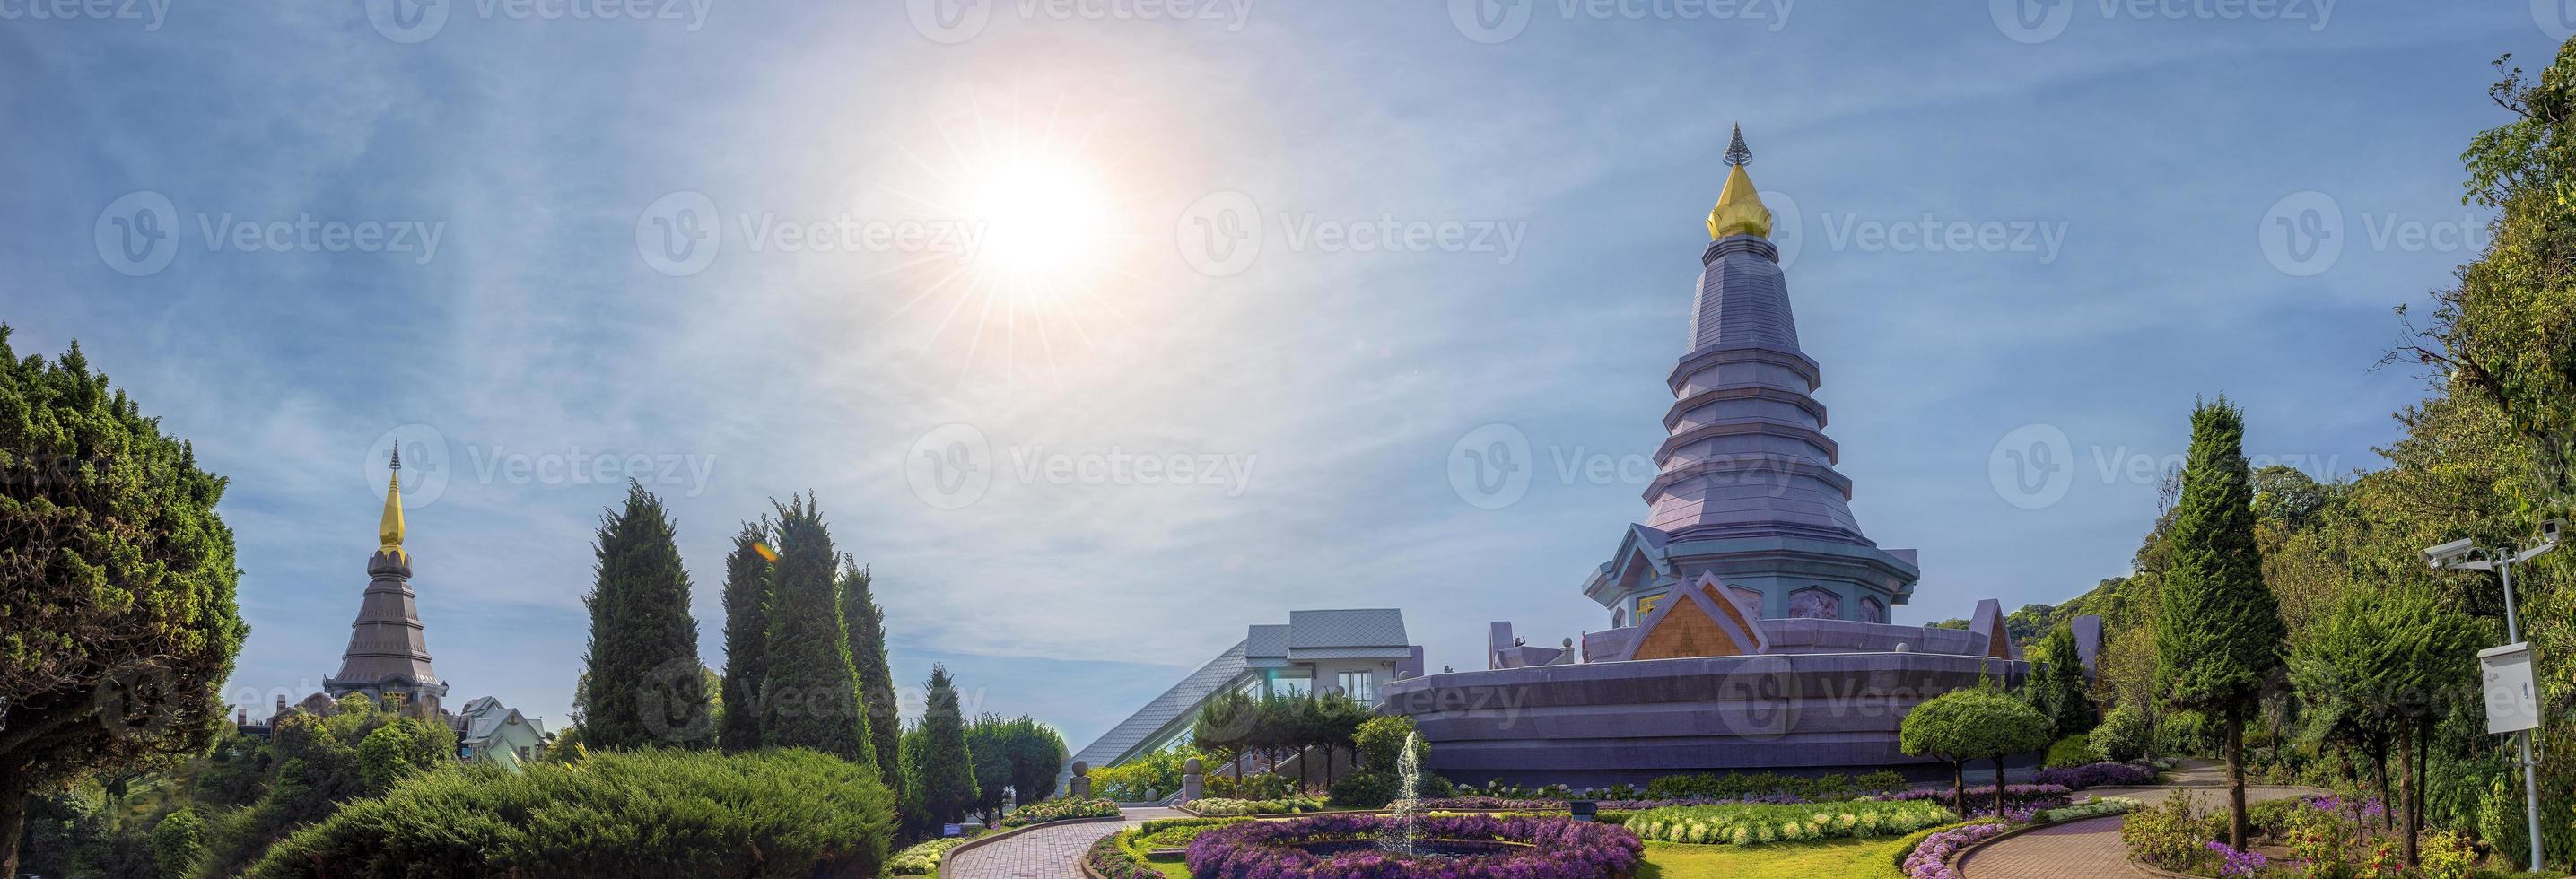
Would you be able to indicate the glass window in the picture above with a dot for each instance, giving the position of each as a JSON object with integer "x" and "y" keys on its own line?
{"x": 1357, "y": 684}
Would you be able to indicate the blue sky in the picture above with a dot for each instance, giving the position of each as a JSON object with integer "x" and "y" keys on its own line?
{"x": 1301, "y": 252}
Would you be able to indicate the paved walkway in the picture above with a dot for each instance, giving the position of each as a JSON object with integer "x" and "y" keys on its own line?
{"x": 1044, "y": 853}
{"x": 2092, "y": 847}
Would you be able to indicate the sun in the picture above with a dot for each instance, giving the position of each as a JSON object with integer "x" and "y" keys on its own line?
{"x": 1036, "y": 217}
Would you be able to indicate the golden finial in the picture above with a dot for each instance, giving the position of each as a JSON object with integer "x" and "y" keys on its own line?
{"x": 1739, "y": 209}
{"x": 390, "y": 528}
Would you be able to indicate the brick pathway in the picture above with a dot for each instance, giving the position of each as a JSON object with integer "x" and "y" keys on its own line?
{"x": 2092, "y": 847}
{"x": 1044, "y": 853}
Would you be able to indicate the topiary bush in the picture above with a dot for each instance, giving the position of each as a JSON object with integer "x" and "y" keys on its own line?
{"x": 781, "y": 813}
{"x": 2124, "y": 735}
{"x": 2071, "y": 751}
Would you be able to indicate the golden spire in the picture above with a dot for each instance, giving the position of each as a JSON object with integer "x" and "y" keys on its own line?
{"x": 390, "y": 528}
{"x": 1739, "y": 209}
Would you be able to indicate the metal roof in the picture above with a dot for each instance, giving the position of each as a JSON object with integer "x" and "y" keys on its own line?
{"x": 1381, "y": 627}
{"x": 1180, "y": 704}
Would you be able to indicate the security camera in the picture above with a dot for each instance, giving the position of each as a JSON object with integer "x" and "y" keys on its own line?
{"x": 2549, "y": 531}
{"x": 2450, "y": 552}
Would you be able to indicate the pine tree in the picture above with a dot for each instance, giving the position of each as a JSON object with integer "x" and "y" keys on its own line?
{"x": 865, "y": 622}
{"x": 810, "y": 696}
{"x": 646, "y": 686}
{"x": 943, "y": 768}
{"x": 2221, "y": 636}
{"x": 746, "y": 603}
{"x": 2057, "y": 689}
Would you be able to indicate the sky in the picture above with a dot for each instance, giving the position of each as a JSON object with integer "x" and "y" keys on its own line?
{"x": 1101, "y": 329}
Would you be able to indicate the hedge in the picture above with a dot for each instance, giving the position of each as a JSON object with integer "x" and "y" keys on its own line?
{"x": 781, "y": 813}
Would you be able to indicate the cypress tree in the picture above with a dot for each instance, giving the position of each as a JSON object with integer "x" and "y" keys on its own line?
{"x": 865, "y": 622}
{"x": 809, "y": 698}
{"x": 645, "y": 687}
{"x": 2220, "y": 639}
{"x": 943, "y": 769}
{"x": 2057, "y": 689}
{"x": 746, "y": 603}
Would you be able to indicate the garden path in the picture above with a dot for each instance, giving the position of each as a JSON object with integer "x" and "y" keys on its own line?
{"x": 1046, "y": 852}
{"x": 2092, "y": 847}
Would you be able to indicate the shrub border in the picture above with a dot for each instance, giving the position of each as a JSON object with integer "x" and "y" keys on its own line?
{"x": 997, "y": 836}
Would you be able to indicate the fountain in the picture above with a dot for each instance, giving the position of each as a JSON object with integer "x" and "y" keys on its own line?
{"x": 1404, "y": 836}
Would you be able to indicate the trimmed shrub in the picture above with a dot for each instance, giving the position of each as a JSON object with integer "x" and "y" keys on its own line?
{"x": 785, "y": 813}
{"x": 1755, "y": 785}
{"x": 1757, "y": 824}
{"x": 2124, "y": 734}
{"x": 2081, "y": 811}
{"x": 1058, "y": 810}
{"x": 923, "y": 859}
{"x": 2071, "y": 751}
{"x": 1282, "y": 806}
{"x": 2104, "y": 774}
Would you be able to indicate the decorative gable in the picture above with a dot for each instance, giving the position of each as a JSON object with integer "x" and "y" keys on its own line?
{"x": 1986, "y": 628}
{"x": 1699, "y": 621}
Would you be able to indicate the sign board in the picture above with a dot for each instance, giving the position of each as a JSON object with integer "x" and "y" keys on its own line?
{"x": 1582, "y": 810}
{"x": 2513, "y": 702}
{"x": 951, "y": 830}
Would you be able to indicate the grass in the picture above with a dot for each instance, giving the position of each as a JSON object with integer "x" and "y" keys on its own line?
{"x": 1830, "y": 859}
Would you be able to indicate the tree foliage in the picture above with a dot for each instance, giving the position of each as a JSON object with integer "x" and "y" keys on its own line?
{"x": 1978, "y": 723}
{"x": 746, "y": 604}
{"x": 865, "y": 623}
{"x": 939, "y": 769}
{"x": 645, "y": 685}
{"x": 116, "y": 582}
{"x": 2221, "y": 637}
{"x": 810, "y": 698}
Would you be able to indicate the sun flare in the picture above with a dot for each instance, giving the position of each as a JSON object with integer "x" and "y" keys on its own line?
{"x": 1036, "y": 217}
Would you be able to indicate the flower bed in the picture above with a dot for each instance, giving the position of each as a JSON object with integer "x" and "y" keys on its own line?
{"x": 1931, "y": 858}
{"x": 922, "y": 859}
{"x": 2020, "y": 800}
{"x": 1508, "y": 804}
{"x": 1221, "y": 806}
{"x": 2103, "y": 774}
{"x": 1760, "y": 824}
{"x": 1059, "y": 810}
{"x": 1549, "y": 848}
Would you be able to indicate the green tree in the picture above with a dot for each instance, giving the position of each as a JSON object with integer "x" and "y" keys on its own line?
{"x": 2057, "y": 687}
{"x": 646, "y": 687}
{"x": 988, "y": 744}
{"x": 1972, "y": 724}
{"x": 746, "y": 604}
{"x": 865, "y": 622}
{"x": 811, "y": 697}
{"x": 1223, "y": 730}
{"x": 401, "y": 747}
{"x": 942, "y": 768}
{"x": 2220, "y": 638}
{"x": 177, "y": 841}
{"x": 116, "y": 585}
{"x": 1037, "y": 753}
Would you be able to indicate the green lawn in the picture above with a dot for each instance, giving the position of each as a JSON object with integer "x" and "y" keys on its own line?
{"x": 1833, "y": 859}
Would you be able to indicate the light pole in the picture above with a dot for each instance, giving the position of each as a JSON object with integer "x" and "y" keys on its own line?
{"x": 2464, "y": 555}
